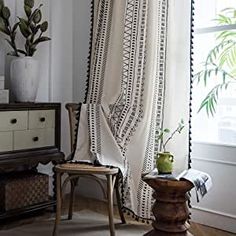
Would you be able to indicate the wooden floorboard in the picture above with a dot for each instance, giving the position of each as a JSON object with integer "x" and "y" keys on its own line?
{"x": 101, "y": 207}
{"x": 201, "y": 230}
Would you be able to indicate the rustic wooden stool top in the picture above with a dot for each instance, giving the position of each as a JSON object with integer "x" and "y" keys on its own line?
{"x": 78, "y": 168}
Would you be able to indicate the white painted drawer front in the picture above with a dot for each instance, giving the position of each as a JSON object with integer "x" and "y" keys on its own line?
{"x": 34, "y": 138}
{"x": 13, "y": 120}
{"x": 6, "y": 141}
{"x": 41, "y": 119}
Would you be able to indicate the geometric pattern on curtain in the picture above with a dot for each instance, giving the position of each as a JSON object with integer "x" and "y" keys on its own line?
{"x": 125, "y": 95}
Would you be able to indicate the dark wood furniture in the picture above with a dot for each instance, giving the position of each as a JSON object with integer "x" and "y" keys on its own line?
{"x": 170, "y": 209}
{"x": 75, "y": 171}
{"x": 29, "y": 135}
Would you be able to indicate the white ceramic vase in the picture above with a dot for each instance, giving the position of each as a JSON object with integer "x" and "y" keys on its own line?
{"x": 24, "y": 79}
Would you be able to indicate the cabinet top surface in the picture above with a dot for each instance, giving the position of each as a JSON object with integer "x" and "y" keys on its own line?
{"x": 40, "y": 105}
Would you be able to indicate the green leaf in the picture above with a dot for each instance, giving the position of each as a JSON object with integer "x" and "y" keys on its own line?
{"x": 22, "y": 52}
{"x": 29, "y": 3}
{"x": 5, "y": 31}
{"x": 32, "y": 28}
{"x": 15, "y": 27}
{"x": 6, "y": 13}
{"x": 210, "y": 101}
{"x": 37, "y": 17}
{"x": 32, "y": 51}
{"x": 1, "y": 5}
{"x": 160, "y": 135}
{"x": 41, "y": 39}
{"x": 205, "y": 77}
{"x": 24, "y": 28}
{"x": 2, "y": 23}
{"x": 44, "y": 26}
{"x": 3, "y": 27}
{"x": 28, "y": 10}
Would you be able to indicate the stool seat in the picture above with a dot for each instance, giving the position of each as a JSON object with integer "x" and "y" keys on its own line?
{"x": 78, "y": 168}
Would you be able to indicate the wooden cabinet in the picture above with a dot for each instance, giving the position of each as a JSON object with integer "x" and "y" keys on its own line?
{"x": 29, "y": 135}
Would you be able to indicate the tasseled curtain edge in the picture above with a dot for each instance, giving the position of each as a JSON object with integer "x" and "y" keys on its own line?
{"x": 135, "y": 217}
{"x": 191, "y": 81}
{"x": 191, "y": 94}
{"x": 90, "y": 49}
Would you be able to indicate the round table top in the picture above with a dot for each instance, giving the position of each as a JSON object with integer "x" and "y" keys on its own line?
{"x": 170, "y": 184}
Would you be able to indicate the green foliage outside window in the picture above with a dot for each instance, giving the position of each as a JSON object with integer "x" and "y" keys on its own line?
{"x": 220, "y": 63}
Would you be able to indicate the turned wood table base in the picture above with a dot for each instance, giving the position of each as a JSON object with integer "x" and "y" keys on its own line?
{"x": 170, "y": 209}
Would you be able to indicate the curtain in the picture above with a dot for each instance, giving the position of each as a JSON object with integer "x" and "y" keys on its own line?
{"x": 126, "y": 100}
{"x": 178, "y": 78}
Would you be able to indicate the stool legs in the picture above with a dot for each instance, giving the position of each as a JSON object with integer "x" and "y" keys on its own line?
{"x": 73, "y": 183}
{"x": 110, "y": 187}
{"x": 111, "y": 180}
{"x": 59, "y": 203}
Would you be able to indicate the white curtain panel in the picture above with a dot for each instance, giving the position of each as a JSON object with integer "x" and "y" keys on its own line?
{"x": 177, "y": 93}
{"x": 129, "y": 96}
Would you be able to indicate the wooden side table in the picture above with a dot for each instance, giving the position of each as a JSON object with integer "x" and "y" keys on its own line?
{"x": 170, "y": 209}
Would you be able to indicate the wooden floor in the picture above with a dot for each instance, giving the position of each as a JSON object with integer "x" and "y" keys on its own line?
{"x": 101, "y": 207}
{"x": 200, "y": 230}
{"x": 196, "y": 229}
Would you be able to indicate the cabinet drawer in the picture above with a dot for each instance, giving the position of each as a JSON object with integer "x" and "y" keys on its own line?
{"x": 6, "y": 141}
{"x": 41, "y": 119}
{"x": 13, "y": 120}
{"x": 34, "y": 138}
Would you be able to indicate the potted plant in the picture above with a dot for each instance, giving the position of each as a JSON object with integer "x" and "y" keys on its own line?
{"x": 165, "y": 159}
{"x": 24, "y": 74}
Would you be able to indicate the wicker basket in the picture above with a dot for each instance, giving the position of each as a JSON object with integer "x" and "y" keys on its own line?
{"x": 22, "y": 189}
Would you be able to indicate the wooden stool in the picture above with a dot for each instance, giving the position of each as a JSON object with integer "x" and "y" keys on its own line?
{"x": 170, "y": 209}
{"x": 75, "y": 171}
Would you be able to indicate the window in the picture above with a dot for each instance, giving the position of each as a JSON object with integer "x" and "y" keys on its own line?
{"x": 219, "y": 128}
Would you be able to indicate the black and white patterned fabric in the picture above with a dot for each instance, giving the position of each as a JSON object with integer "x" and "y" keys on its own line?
{"x": 125, "y": 95}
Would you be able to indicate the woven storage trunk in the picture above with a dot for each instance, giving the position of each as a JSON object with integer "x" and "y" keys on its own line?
{"x": 22, "y": 189}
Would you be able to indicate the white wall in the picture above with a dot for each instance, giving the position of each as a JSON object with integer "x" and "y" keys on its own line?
{"x": 81, "y": 31}
{"x": 61, "y": 81}
{"x": 3, "y": 45}
{"x": 218, "y": 207}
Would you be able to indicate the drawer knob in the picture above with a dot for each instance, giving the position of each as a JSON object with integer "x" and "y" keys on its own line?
{"x": 13, "y": 121}
{"x": 42, "y": 119}
{"x": 35, "y": 139}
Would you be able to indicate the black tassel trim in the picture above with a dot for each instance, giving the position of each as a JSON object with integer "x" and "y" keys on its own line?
{"x": 191, "y": 82}
{"x": 90, "y": 50}
{"x": 76, "y": 130}
{"x": 191, "y": 93}
{"x": 137, "y": 218}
